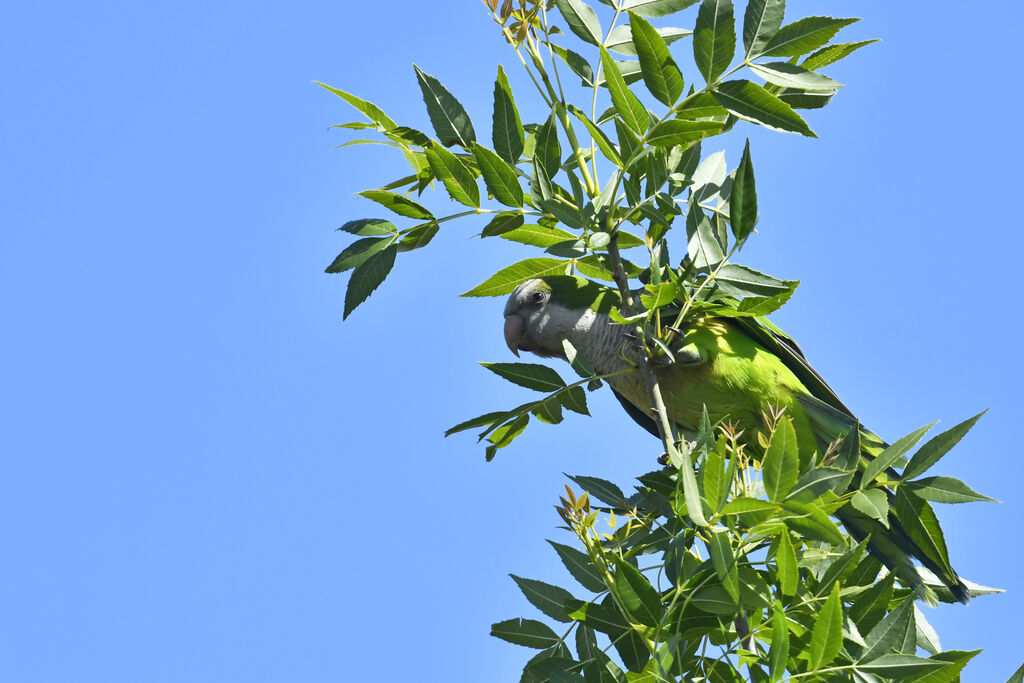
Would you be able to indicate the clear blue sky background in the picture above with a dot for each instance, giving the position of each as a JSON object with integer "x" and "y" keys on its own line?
{"x": 208, "y": 477}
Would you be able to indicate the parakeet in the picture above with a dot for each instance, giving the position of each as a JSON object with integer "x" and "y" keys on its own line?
{"x": 737, "y": 368}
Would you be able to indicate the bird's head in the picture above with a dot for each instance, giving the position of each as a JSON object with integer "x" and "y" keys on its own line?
{"x": 542, "y": 311}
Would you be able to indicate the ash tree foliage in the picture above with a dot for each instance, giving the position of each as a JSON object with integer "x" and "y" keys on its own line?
{"x": 726, "y": 565}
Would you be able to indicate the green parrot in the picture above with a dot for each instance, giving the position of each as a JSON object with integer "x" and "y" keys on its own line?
{"x": 739, "y": 369}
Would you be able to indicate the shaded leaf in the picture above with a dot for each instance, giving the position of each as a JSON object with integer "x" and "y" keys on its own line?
{"x": 743, "y": 281}
{"x": 743, "y": 200}
{"x": 580, "y": 566}
{"x": 786, "y": 568}
{"x": 724, "y": 561}
{"x": 936, "y": 447}
{"x": 500, "y": 178}
{"x": 548, "y": 151}
{"x": 398, "y": 203}
{"x": 889, "y": 633}
{"x": 601, "y": 489}
{"x": 781, "y": 462}
{"x": 367, "y": 276}
{"x": 659, "y": 70}
{"x": 760, "y": 22}
{"x": 529, "y": 375}
{"x": 945, "y": 490}
{"x": 507, "y": 129}
{"x": 827, "y": 634}
{"x": 457, "y": 179}
{"x": 447, "y": 115}
{"x": 550, "y": 600}
{"x": 358, "y": 252}
{"x": 526, "y": 632}
{"x": 893, "y": 453}
{"x": 581, "y": 20}
{"x": 625, "y": 102}
{"x": 637, "y": 595}
{"x": 751, "y": 102}
{"x": 504, "y": 224}
{"x": 714, "y": 39}
{"x": 367, "y": 227}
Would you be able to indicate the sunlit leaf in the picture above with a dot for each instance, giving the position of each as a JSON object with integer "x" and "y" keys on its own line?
{"x": 447, "y": 115}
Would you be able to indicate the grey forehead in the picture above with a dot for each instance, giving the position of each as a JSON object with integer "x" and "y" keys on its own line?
{"x": 518, "y": 295}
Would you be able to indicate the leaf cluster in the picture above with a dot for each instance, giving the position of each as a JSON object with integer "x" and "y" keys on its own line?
{"x": 769, "y": 590}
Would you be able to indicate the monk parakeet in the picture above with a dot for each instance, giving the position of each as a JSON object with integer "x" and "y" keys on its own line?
{"x": 736, "y": 368}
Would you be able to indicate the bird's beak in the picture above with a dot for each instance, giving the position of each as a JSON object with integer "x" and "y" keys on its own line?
{"x": 514, "y": 329}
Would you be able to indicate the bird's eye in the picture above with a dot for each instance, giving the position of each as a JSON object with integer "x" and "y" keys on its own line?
{"x": 536, "y": 297}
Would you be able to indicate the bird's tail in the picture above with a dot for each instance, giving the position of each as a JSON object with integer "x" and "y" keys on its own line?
{"x": 911, "y": 529}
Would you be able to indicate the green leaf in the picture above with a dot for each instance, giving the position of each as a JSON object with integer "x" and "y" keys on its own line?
{"x": 810, "y": 520}
{"x": 873, "y": 503}
{"x": 660, "y": 295}
{"x": 526, "y": 632}
{"x": 673, "y": 132}
{"x": 938, "y": 446}
{"x": 636, "y": 594}
{"x": 804, "y": 36}
{"x": 457, "y": 179}
{"x": 621, "y": 40}
{"x": 506, "y": 279}
{"x": 871, "y": 605}
{"x": 945, "y": 490}
{"x": 580, "y": 566}
{"x": 575, "y": 399}
{"x": 625, "y": 102}
{"x": 447, "y": 115}
{"x": 763, "y": 305}
{"x": 833, "y": 53}
{"x": 485, "y": 419}
{"x": 788, "y": 75}
{"x": 705, "y": 245}
{"x": 367, "y": 277}
{"x": 503, "y": 435}
{"x": 922, "y": 525}
{"x": 538, "y": 236}
{"x": 529, "y": 375}
{"x": 714, "y": 39}
{"x": 900, "y": 667}
{"x": 893, "y": 453}
{"x": 504, "y": 224}
{"x": 743, "y": 281}
{"x": 760, "y": 22}
{"x": 890, "y": 633}
{"x": 743, "y": 200}
{"x": 369, "y": 109}
{"x": 548, "y": 152}
{"x": 1018, "y": 676}
{"x": 786, "y": 567}
{"x": 418, "y": 236}
{"x": 547, "y": 598}
{"x": 781, "y": 463}
{"x": 743, "y": 505}
{"x": 751, "y": 102}
{"x": 366, "y": 227}
{"x": 691, "y": 494}
{"x": 579, "y": 65}
{"x": 955, "y": 661}
{"x": 827, "y": 634}
{"x": 659, "y": 70}
{"x": 656, "y": 8}
{"x": 540, "y": 184}
{"x": 714, "y": 599}
{"x": 724, "y": 561}
{"x": 398, "y": 203}
{"x": 778, "y": 656}
{"x": 500, "y": 178}
{"x": 358, "y": 252}
{"x": 601, "y": 489}
{"x": 603, "y": 143}
{"x": 507, "y": 130}
{"x": 581, "y": 20}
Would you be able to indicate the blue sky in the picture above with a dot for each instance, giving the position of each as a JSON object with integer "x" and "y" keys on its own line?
{"x": 207, "y": 476}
